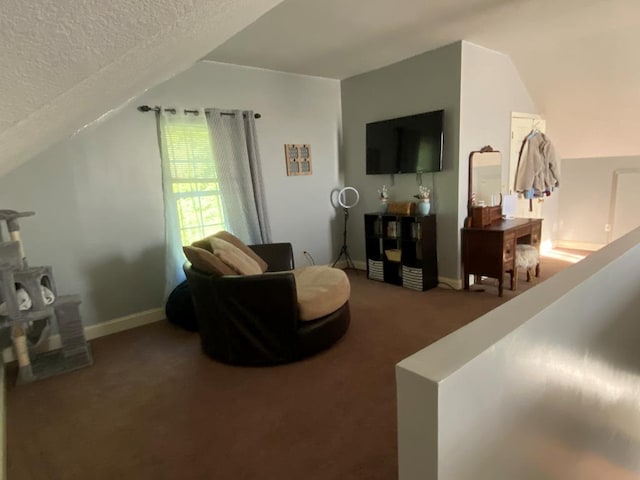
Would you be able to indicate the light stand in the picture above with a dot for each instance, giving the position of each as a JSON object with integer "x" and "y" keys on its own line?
{"x": 344, "y": 250}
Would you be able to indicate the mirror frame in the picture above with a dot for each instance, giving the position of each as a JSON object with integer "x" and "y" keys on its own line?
{"x": 485, "y": 149}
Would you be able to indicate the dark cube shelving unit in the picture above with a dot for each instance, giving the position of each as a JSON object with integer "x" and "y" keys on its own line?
{"x": 415, "y": 237}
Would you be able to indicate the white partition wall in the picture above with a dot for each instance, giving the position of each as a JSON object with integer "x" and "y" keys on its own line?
{"x": 545, "y": 386}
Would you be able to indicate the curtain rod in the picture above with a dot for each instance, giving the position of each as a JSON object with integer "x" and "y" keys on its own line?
{"x": 147, "y": 108}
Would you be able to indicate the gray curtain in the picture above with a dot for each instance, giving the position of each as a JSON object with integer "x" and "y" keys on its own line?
{"x": 236, "y": 154}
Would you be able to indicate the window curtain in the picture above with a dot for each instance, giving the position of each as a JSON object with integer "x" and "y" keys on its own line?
{"x": 235, "y": 148}
{"x": 209, "y": 158}
{"x": 182, "y": 157}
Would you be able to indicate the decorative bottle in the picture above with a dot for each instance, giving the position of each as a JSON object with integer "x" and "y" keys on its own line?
{"x": 384, "y": 199}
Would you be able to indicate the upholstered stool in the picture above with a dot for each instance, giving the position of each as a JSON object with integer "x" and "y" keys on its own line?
{"x": 527, "y": 258}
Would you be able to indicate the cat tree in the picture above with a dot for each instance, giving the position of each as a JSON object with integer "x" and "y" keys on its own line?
{"x": 30, "y": 304}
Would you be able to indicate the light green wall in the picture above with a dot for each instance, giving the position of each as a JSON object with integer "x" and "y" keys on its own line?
{"x": 98, "y": 196}
{"x": 477, "y": 87}
{"x": 430, "y": 81}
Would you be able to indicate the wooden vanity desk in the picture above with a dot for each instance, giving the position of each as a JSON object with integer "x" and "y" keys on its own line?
{"x": 490, "y": 251}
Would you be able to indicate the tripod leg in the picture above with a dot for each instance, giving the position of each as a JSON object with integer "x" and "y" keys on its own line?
{"x": 339, "y": 257}
{"x": 348, "y": 258}
{"x": 344, "y": 250}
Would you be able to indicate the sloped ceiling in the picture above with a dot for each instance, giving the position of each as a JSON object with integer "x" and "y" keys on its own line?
{"x": 65, "y": 63}
{"x": 578, "y": 58}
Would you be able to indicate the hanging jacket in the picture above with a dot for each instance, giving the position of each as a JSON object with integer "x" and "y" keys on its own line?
{"x": 538, "y": 167}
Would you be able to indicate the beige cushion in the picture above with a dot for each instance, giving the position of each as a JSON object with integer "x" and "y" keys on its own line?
{"x": 207, "y": 262}
{"x": 204, "y": 244}
{"x": 235, "y": 241}
{"x": 232, "y": 239}
{"x": 321, "y": 291}
{"x": 234, "y": 257}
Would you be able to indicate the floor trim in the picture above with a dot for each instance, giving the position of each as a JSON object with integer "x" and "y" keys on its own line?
{"x": 454, "y": 282}
{"x": 101, "y": 329}
{"x": 591, "y": 247}
{"x": 360, "y": 265}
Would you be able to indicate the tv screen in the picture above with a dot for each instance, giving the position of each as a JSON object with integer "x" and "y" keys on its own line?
{"x": 411, "y": 144}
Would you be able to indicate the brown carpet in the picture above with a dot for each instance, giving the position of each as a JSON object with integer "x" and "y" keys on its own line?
{"x": 154, "y": 407}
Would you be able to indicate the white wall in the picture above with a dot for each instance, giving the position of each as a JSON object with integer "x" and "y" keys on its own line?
{"x": 426, "y": 82}
{"x": 576, "y": 59}
{"x": 586, "y": 198}
{"x": 544, "y": 386}
{"x": 98, "y": 197}
{"x": 491, "y": 89}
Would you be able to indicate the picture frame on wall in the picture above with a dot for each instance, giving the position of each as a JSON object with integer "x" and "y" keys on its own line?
{"x": 298, "y": 159}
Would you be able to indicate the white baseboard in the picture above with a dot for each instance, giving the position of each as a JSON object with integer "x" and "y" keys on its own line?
{"x": 342, "y": 264}
{"x": 100, "y": 330}
{"x": 591, "y": 247}
{"x": 454, "y": 282}
{"x": 360, "y": 265}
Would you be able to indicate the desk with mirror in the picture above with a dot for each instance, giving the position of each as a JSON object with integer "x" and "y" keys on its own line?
{"x": 488, "y": 240}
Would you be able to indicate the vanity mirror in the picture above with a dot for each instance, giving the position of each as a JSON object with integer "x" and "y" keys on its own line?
{"x": 485, "y": 181}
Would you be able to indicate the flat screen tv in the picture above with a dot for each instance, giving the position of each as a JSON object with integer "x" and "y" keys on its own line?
{"x": 411, "y": 144}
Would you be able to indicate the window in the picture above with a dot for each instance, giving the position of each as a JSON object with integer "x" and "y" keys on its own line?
{"x": 211, "y": 181}
{"x": 193, "y": 180}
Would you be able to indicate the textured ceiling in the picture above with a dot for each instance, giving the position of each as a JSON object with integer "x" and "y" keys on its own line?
{"x": 577, "y": 57}
{"x": 65, "y": 63}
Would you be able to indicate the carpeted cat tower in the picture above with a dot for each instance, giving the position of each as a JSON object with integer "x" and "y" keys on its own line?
{"x": 29, "y": 305}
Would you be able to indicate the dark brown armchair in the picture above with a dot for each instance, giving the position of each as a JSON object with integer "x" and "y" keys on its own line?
{"x": 254, "y": 319}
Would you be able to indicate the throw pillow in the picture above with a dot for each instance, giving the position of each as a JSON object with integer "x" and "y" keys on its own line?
{"x": 234, "y": 257}
{"x": 206, "y": 261}
{"x": 235, "y": 241}
{"x": 232, "y": 239}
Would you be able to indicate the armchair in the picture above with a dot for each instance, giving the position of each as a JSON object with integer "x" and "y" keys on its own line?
{"x": 255, "y": 319}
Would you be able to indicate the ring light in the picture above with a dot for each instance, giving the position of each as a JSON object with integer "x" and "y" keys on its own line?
{"x": 342, "y": 197}
{"x": 342, "y": 200}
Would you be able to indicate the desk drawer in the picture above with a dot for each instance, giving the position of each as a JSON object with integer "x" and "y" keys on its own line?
{"x": 522, "y": 232}
{"x": 508, "y": 248}
{"x": 536, "y": 235}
